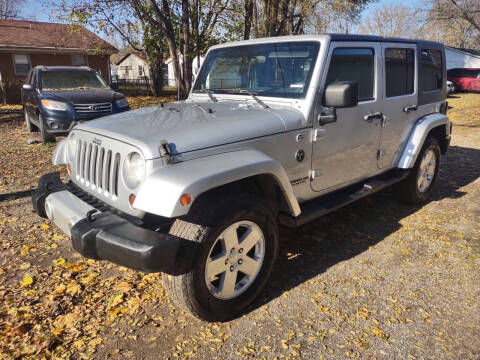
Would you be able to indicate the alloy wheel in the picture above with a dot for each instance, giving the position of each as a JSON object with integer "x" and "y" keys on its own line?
{"x": 235, "y": 260}
{"x": 426, "y": 171}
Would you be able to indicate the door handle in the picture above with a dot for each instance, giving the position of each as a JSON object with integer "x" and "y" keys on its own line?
{"x": 373, "y": 116}
{"x": 409, "y": 108}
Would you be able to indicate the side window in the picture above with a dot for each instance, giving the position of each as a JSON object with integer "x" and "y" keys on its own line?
{"x": 431, "y": 70}
{"x": 471, "y": 74}
{"x": 354, "y": 64}
{"x": 399, "y": 71}
{"x": 453, "y": 72}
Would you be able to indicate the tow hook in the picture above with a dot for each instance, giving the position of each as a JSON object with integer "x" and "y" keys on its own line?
{"x": 90, "y": 217}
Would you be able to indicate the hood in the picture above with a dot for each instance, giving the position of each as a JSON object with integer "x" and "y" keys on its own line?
{"x": 188, "y": 126}
{"x": 83, "y": 96}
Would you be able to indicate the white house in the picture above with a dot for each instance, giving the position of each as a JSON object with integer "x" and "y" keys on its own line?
{"x": 169, "y": 76}
{"x": 133, "y": 66}
{"x": 462, "y": 58}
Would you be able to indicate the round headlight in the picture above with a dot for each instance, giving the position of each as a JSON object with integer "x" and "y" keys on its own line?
{"x": 72, "y": 147}
{"x": 133, "y": 170}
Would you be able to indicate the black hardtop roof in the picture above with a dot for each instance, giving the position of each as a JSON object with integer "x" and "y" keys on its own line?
{"x": 63, "y": 68}
{"x": 355, "y": 37}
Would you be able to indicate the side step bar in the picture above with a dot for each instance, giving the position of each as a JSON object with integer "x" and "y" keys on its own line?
{"x": 325, "y": 204}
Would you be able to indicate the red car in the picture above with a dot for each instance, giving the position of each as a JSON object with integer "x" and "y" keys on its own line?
{"x": 465, "y": 79}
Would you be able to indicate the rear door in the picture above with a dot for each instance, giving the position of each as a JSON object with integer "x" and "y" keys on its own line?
{"x": 400, "y": 97}
{"x": 345, "y": 151}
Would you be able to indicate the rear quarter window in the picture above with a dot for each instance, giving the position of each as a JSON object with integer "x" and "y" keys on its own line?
{"x": 431, "y": 67}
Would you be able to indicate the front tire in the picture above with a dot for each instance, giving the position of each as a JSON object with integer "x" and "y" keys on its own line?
{"x": 420, "y": 183}
{"x": 28, "y": 122}
{"x": 46, "y": 137}
{"x": 239, "y": 244}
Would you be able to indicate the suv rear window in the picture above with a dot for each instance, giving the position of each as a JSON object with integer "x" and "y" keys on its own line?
{"x": 399, "y": 71}
{"x": 354, "y": 64}
{"x": 431, "y": 70}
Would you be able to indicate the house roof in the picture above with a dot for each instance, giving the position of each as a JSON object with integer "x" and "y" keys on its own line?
{"x": 43, "y": 36}
{"x": 140, "y": 55}
{"x": 473, "y": 52}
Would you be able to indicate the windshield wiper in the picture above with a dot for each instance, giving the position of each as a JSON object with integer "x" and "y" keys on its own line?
{"x": 210, "y": 94}
{"x": 253, "y": 95}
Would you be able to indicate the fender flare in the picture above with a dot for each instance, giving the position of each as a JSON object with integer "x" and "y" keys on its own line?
{"x": 418, "y": 135}
{"x": 60, "y": 154}
{"x": 160, "y": 193}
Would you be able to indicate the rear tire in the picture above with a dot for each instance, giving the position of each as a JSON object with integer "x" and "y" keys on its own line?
{"x": 420, "y": 183}
{"x": 46, "y": 137}
{"x": 28, "y": 122}
{"x": 216, "y": 289}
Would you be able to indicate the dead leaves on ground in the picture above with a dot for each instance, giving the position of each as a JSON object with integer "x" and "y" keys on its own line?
{"x": 56, "y": 304}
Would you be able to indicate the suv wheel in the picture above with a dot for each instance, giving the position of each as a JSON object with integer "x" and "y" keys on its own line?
{"x": 239, "y": 241}
{"x": 46, "y": 137}
{"x": 420, "y": 183}
{"x": 28, "y": 122}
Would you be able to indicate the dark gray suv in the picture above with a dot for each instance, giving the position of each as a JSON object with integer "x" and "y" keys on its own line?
{"x": 55, "y": 98}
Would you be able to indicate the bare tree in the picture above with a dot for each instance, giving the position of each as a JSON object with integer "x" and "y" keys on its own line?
{"x": 456, "y": 21}
{"x": 181, "y": 28}
{"x": 467, "y": 10}
{"x": 337, "y": 16}
{"x": 260, "y": 18}
{"x": 9, "y": 9}
{"x": 397, "y": 20}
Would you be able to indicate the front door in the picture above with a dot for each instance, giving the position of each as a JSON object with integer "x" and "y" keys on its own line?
{"x": 345, "y": 151}
{"x": 400, "y": 100}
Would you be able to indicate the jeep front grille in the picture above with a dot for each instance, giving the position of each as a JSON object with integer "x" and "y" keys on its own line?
{"x": 100, "y": 108}
{"x": 98, "y": 167}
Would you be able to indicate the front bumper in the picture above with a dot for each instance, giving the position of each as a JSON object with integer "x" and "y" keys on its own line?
{"x": 65, "y": 120}
{"x": 107, "y": 236}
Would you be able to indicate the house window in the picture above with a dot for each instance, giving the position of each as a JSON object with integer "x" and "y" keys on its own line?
{"x": 125, "y": 69}
{"x": 21, "y": 64}
{"x": 79, "y": 60}
{"x": 140, "y": 70}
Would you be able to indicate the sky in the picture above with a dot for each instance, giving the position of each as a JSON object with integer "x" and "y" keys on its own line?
{"x": 32, "y": 10}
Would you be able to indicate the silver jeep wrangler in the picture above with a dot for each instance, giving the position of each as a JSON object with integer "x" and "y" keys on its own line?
{"x": 275, "y": 131}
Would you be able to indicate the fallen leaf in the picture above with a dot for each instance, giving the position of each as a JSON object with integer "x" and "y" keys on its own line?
{"x": 27, "y": 281}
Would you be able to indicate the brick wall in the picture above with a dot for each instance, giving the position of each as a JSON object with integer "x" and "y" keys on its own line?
{"x": 12, "y": 82}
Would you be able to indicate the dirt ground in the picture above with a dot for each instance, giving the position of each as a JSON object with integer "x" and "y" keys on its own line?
{"x": 375, "y": 280}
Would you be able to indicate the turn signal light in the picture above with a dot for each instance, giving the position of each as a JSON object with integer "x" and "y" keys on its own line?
{"x": 69, "y": 169}
{"x": 185, "y": 199}
{"x": 131, "y": 199}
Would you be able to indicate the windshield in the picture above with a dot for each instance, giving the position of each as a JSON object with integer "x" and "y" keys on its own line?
{"x": 278, "y": 69}
{"x": 71, "y": 80}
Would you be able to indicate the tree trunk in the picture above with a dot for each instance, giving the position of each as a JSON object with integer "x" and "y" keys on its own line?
{"x": 187, "y": 58}
{"x": 248, "y": 18}
{"x": 156, "y": 77}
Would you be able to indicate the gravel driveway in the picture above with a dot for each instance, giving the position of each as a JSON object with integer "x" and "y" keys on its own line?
{"x": 375, "y": 280}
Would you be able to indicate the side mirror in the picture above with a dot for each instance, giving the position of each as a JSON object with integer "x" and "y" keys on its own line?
{"x": 27, "y": 87}
{"x": 114, "y": 86}
{"x": 342, "y": 94}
